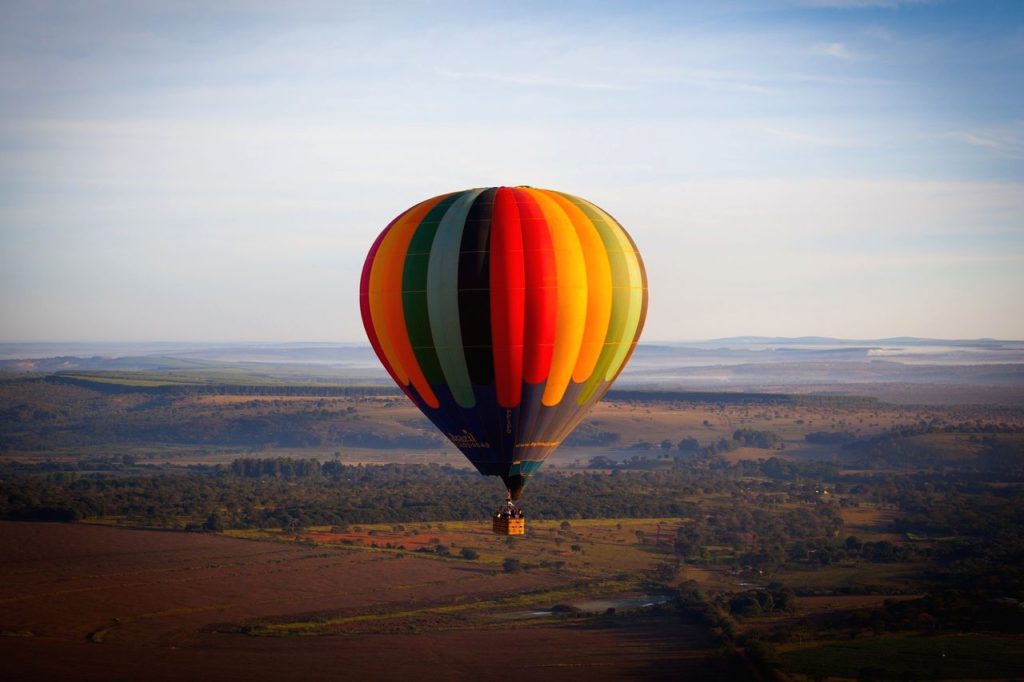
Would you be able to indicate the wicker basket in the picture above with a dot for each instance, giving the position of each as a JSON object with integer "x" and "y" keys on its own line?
{"x": 506, "y": 526}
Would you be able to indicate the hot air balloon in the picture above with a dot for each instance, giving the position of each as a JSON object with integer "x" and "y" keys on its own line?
{"x": 505, "y": 314}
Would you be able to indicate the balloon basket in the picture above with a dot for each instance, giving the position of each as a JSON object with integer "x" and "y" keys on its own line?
{"x": 508, "y": 520}
{"x": 509, "y": 526}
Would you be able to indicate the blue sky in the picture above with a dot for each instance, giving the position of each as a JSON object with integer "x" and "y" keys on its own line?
{"x": 217, "y": 171}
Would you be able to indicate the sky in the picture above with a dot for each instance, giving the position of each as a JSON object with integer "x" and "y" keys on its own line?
{"x": 217, "y": 171}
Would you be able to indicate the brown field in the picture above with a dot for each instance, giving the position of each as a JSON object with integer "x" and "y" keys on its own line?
{"x": 605, "y": 547}
{"x": 901, "y": 577}
{"x": 88, "y": 602}
{"x": 869, "y": 523}
{"x": 809, "y": 606}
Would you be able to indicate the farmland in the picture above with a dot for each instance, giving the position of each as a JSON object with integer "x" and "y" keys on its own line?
{"x": 675, "y": 534}
{"x": 97, "y": 603}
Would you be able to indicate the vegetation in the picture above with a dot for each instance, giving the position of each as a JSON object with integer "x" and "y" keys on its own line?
{"x": 824, "y": 536}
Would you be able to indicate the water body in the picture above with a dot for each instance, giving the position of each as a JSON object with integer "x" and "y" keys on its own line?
{"x": 601, "y": 605}
{"x": 592, "y": 606}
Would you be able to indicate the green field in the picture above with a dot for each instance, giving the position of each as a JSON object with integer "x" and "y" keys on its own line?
{"x": 894, "y": 576}
{"x": 951, "y": 657}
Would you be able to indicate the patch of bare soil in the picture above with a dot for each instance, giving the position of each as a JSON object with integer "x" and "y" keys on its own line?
{"x": 81, "y": 602}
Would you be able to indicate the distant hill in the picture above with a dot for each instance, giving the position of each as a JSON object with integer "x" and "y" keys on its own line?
{"x": 894, "y": 368}
{"x": 50, "y": 357}
{"x": 828, "y": 340}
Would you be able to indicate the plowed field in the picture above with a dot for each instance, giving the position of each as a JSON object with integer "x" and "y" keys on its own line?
{"x": 80, "y": 602}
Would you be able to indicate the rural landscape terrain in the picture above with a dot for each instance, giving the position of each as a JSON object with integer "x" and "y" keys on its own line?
{"x": 240, "y": 242}
{"x": 801, "y": 509}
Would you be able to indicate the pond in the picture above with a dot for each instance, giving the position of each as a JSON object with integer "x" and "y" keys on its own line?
{"x": 591, "y": 606}
{"x": 602, "y": 605}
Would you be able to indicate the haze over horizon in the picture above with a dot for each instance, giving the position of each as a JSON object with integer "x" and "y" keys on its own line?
{"x": 739, "y": 339}
{"x": 842, "y": 168}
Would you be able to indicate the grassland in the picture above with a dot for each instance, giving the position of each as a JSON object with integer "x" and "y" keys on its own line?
{"x": 964, "y": 656}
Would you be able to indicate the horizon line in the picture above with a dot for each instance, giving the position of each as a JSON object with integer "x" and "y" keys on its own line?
{"x": 648, "y": 342}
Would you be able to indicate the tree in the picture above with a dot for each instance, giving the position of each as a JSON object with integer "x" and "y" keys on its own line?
{"x": 666, "y": 571}
{"x": 745, "y": 604}
{"x": 512, "y": 565}
{"x": 688, "y": 444}
{"x": 754, "y": 438}
{"x": 213, "y": 523}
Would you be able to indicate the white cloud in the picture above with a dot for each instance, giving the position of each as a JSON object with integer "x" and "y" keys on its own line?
{"x": 1005, "y": 140}
{"x": 837, "y": 50}
{"x": 846, "y": 258}
{"x": 864, "y": 4}
{"x": 528, "y": 80}
{"x": 815, "y": 140}
{"x": 760, "y": 212}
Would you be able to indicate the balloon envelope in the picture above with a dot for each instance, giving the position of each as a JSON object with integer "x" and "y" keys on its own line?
{"x": 504, "y": 313}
